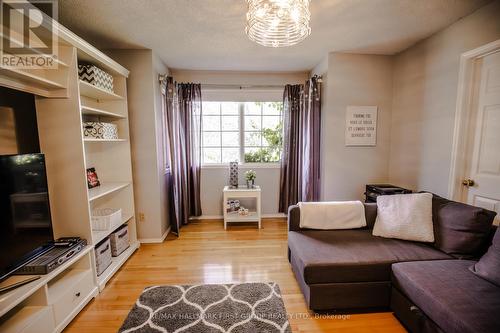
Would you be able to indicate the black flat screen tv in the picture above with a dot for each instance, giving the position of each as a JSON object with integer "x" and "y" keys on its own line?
{"x": 25, "y": 221}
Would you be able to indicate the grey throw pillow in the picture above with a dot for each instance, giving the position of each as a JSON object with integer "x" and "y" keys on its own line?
{"x": 488, "y": 267}
{"x": 461, "y": 230}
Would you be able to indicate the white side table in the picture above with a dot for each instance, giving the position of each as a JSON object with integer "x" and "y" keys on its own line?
{"x": 242, "y": 192}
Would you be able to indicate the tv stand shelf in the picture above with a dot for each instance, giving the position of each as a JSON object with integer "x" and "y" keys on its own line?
{"x": 49, "y": 302}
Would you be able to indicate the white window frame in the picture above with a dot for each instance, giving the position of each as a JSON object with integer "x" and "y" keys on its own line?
{"x": 241, "y": 130}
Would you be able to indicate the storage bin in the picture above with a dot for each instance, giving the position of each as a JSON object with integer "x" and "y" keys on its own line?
{"x": 95, "y": 76}
{"x": 119, "y": 241}
{"x": 100, "y": 130}
{"x": 103, "y": 256}
{"x": 105, "y": 218}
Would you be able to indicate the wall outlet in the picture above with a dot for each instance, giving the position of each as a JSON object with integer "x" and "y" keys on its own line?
{"x": 141, "y": 217}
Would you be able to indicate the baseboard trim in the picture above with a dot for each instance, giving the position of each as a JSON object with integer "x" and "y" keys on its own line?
{"x": 155, "y": 240}
{"x": 220, "y": 217}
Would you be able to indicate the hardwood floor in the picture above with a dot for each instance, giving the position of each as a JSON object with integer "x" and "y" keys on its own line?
{"x": 206, "y": 253}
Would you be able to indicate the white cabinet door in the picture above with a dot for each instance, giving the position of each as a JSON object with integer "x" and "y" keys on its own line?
{"x": 485, "y": 163}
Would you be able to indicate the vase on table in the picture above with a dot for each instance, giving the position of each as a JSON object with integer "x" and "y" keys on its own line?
{"x": 233, "y": 174}
{"x": 251, "y": 183}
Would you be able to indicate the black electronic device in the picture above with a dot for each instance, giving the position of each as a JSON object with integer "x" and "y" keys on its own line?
{"x": 374, "y": 190}
{"x": 61, "y": 251}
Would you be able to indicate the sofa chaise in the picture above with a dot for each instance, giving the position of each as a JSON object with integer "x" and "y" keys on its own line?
{"x": 429, "y": 286}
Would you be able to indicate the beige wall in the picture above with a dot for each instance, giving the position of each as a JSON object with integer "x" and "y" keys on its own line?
{"x": 353, "y": 79}
{"x": 213, "y": 179}
{"x": 144, "y": 101}
{"x": 425, "y": 93}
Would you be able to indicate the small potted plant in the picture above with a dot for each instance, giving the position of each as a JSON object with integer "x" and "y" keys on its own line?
{"x": 250, "y": 176}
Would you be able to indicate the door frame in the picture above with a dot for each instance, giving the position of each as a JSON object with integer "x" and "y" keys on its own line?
{"x": 462, "y": 131}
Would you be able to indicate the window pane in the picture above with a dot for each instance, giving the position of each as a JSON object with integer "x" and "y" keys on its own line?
{"x": 272, "y": 155}
{"x": 230, "y": 123}
{"x": 211, "y": 123}
{"x": 252, "y": 123}
{"x": 261, "y": 155}
{"x": 272, "y": 108}
{"x": 253, "y": 155}
{"x": 222, "y": 138}
{"x": 230, "y": 139}
{"x": 230, "y": 108}
{"x": 211, "y": 155}
{"x": 230, "y": 155}
{"x": 252, "y": 139}
{"x": 211, "y": 108}
{"x": 211, "y": 139}
{"x": 252, "y": 108}
{"x": 271, "y": 122}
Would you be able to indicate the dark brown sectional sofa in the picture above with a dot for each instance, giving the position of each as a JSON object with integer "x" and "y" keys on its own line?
{"x": 429, "y": 287}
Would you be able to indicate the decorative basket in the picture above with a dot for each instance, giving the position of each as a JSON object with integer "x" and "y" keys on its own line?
{"x": 104, "y": 218}
{"x": 103, "y": 256}
{"x": 95, "y": 76}
{"x": 99, "y": 130}
{"x": 119, "y": 241}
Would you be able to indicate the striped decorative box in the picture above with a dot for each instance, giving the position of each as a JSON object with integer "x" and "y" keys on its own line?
{"x": 95, "y": 76}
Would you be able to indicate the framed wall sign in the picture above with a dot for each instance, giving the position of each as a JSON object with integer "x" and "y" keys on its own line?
{"x": 361, "y": 126}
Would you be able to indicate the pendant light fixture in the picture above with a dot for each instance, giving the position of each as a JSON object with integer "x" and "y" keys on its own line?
{"x": 278, "y": 23}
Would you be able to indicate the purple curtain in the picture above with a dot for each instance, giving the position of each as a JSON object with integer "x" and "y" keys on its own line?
{"x": 300, "y": 159}
{"x": 183, "y": 122}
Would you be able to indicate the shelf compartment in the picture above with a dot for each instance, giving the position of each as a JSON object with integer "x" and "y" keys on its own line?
{"x": 116, "y": 263}
{"x": 89, "y": 90}
{"x": 99, "y": 235}
{"x": 235, "y": 217}
{"x": 90, "y": 111}
{"x": 106, "y": 189}
{"x": 30, "y": 319}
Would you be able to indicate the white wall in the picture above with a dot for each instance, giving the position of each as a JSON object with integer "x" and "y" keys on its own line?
{"x": 425, "y": 93}
{"x": 144, "y": 101}
{"x": 353, "y": 79}
{"x": 213, "y": 179}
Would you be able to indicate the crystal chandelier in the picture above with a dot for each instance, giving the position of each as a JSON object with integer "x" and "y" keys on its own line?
{"x": 278, "y": 23}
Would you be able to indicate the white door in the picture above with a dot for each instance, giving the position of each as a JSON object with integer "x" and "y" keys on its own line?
{"x": 484, "y": 176}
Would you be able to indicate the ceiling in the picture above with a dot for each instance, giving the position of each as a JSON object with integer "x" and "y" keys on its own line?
{"x": 209, "y": 34}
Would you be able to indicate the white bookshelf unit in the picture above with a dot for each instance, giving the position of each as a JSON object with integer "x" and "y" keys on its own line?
{"x": 68, "y": 154}
{"x": 63, "y": 103}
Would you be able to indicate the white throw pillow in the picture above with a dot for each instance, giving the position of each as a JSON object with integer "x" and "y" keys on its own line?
{"x": 332, "y": 215}
{"x": 405, "y": 216}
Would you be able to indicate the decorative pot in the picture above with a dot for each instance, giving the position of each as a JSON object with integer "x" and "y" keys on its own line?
{"x": 251, "y": 183}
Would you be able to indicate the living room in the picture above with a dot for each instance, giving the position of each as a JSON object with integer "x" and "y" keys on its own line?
{"x": 250, "y": 166}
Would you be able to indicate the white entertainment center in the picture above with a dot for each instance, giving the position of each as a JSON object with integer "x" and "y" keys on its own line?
{"x": 62, "y": 100}
{"x": 51, "y": 302}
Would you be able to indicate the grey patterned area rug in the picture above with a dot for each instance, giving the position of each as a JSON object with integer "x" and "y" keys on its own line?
{"x": 211, "y": 308}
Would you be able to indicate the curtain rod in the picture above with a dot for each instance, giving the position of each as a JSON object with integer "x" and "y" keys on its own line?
{"x": 242, "y": 87}
{"x": 163, "y": 77}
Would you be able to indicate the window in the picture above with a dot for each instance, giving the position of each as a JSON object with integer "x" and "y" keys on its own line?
{"x": 249, "y": 132}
